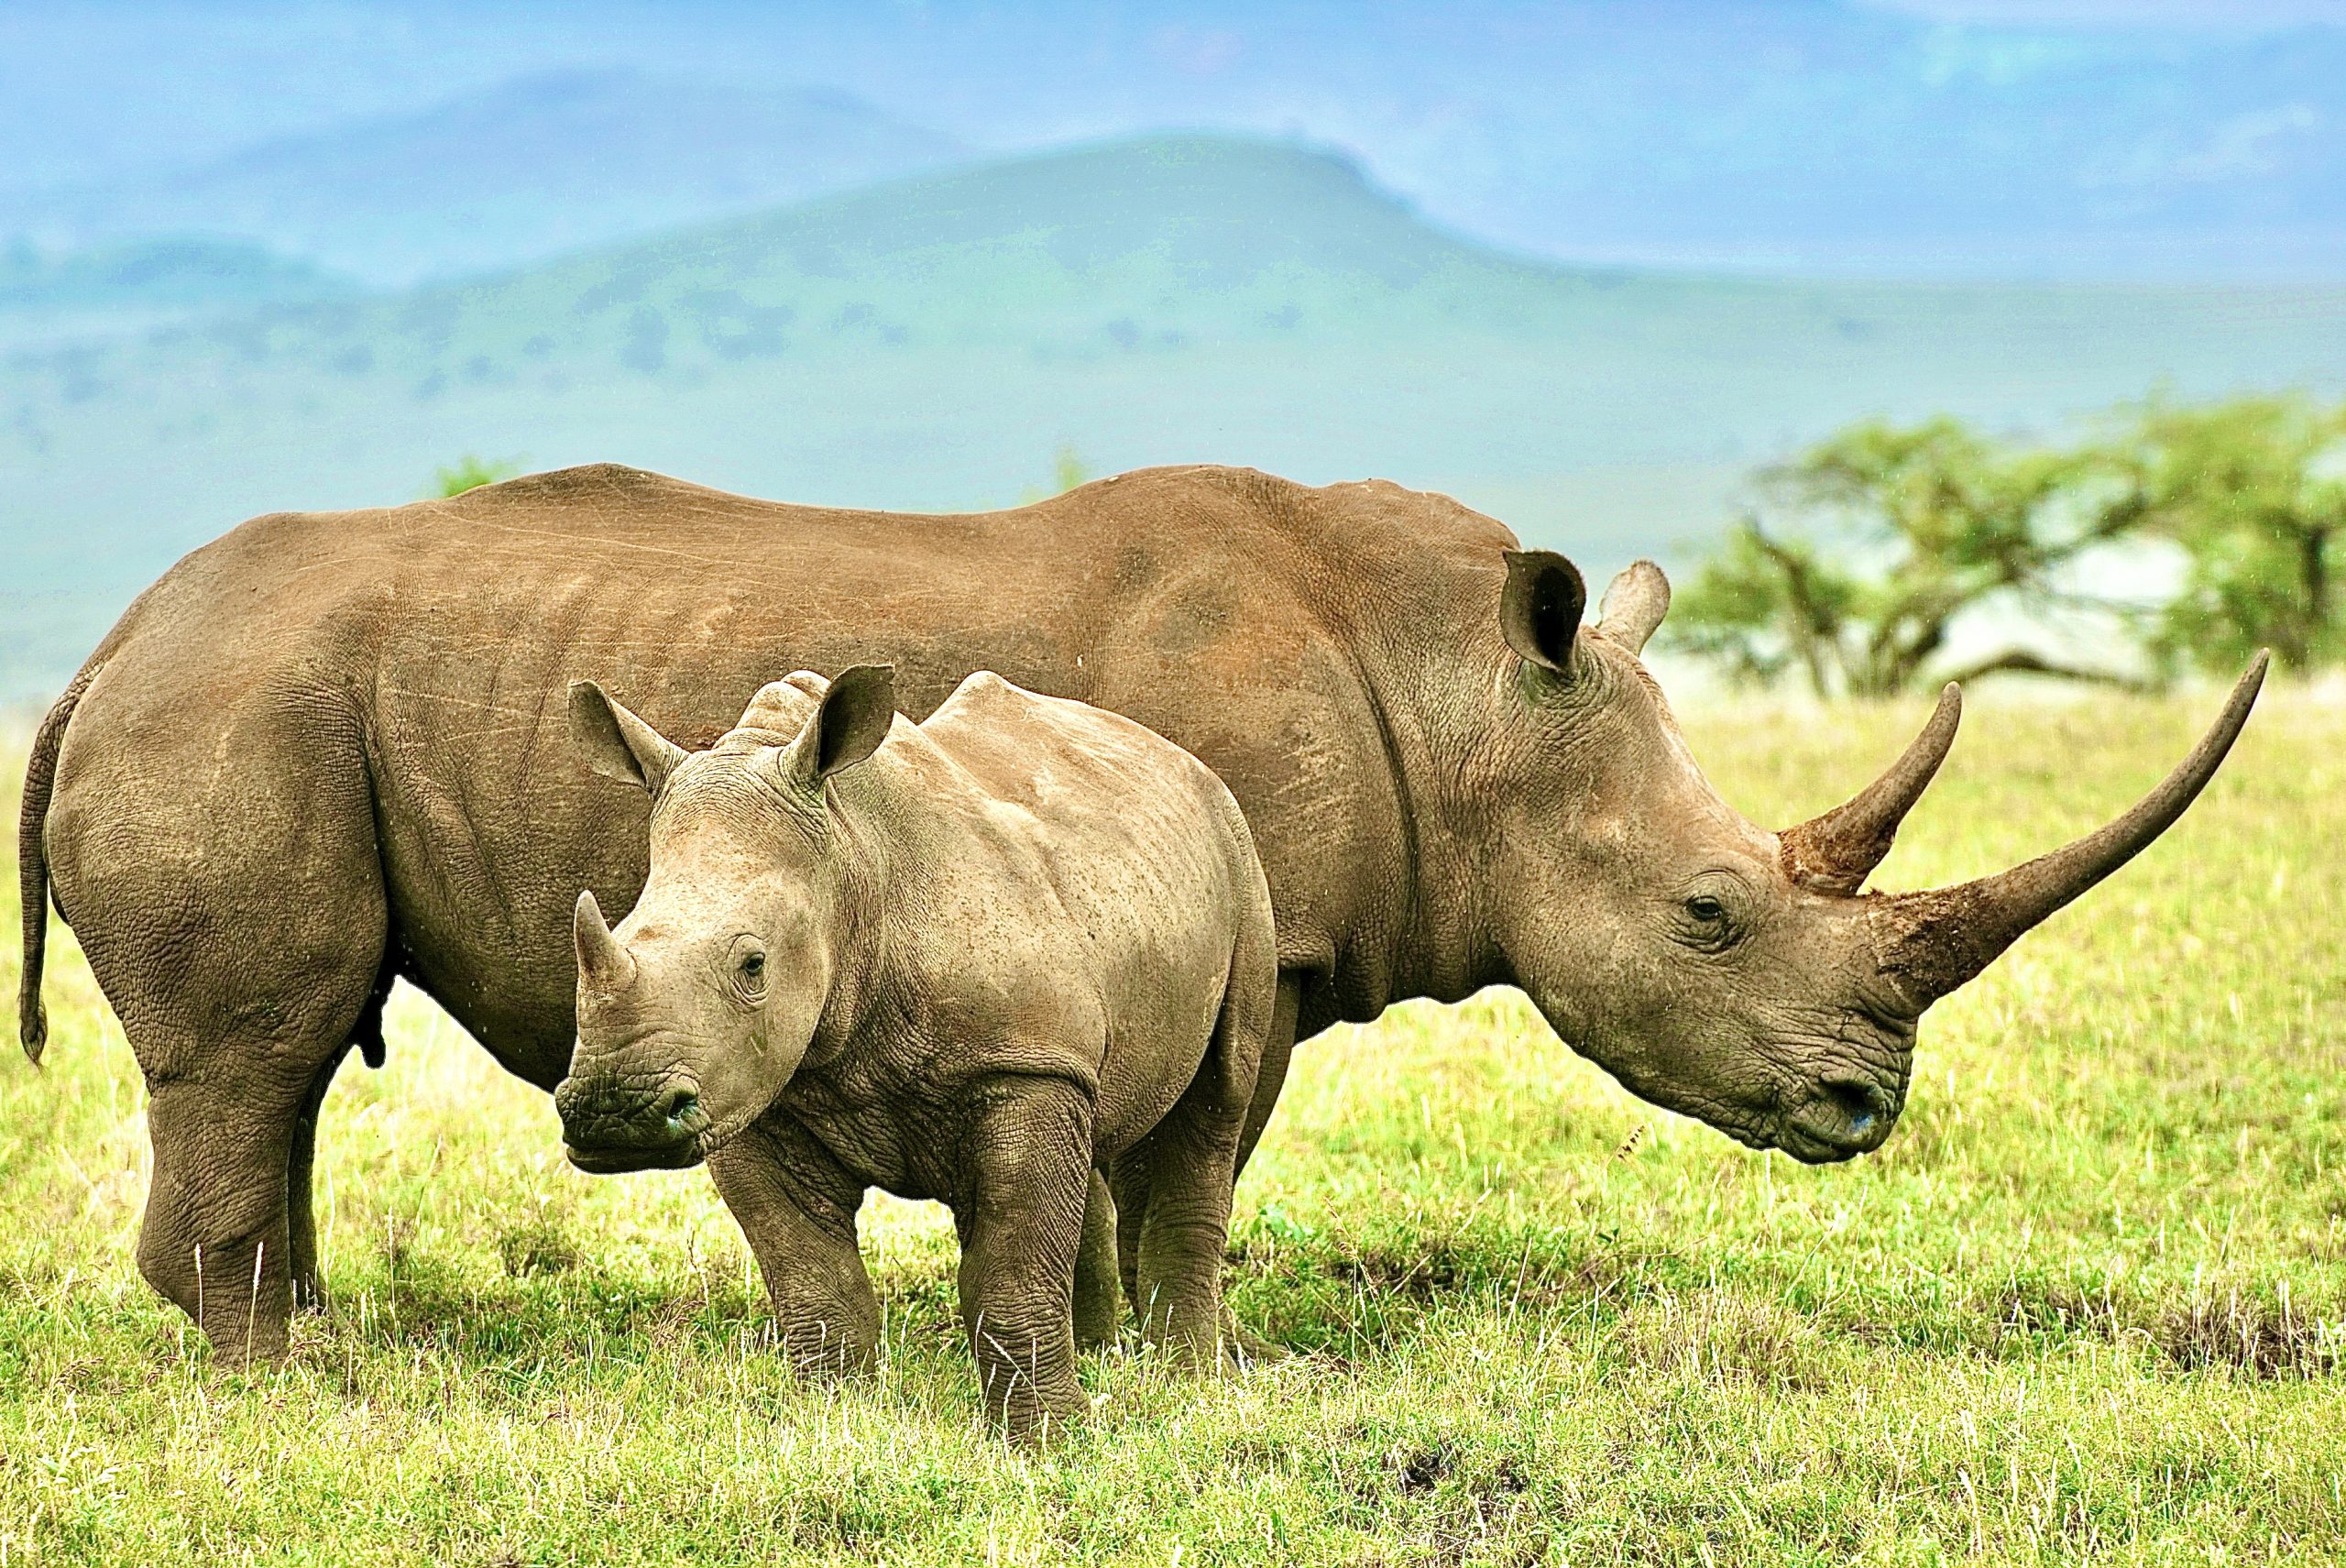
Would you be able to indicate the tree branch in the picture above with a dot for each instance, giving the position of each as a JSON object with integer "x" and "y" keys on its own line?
{"x": 2021, "y": 661}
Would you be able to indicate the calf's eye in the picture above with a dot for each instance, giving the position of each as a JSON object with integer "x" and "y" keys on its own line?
{"x": 749, "y": 958}
{"x": 1706, "y": 909}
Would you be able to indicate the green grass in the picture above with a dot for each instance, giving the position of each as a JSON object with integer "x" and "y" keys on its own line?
{"x": 2087, "y": 1303}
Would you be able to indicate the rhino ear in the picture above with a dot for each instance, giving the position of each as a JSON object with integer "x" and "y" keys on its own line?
{"x": 1633, "y": 606}
{"x": 1539, "y": 608}
{"x": 617, "y": 744}
{"x": 847, "y": 726}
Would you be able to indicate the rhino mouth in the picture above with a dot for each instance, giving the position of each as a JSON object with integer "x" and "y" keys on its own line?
{"x": 612, "y": 1125}
{"x": 618, "y": 1159}
{"x": 1838, "y": 1119}
{"x": 1812, "y": 1146}
{"x": 681, "y": 1153}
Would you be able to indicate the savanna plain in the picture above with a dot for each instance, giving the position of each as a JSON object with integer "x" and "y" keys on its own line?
{"x": 2090, "y": 1302}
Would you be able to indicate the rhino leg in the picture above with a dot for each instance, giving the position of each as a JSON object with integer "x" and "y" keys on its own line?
{"x": 1098, "y": 1288}
{"x": 1136, "y": 1179}
{"x": 1278, "y": 1045}
{"x": 1129, "y": 1191}
{"x": 214, "y": 1239}
{"x": 223, "y": 880}
{"x": 1179, "y": 1180}
{"x": 1020, "y": 1215}
{"x": 1242, "y": 1343}
{"x": 1175, "y": 1183}
{"x": 797, "y": 1206}
{"x": 301, "y": 1217}
{"x": 229, "y": 1234}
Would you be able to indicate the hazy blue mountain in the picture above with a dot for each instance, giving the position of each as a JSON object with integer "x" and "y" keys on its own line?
{"x": 1784, "y": 135}
{"x": 115, "y": 289}
{"x": 525, "y": 169}
{"x": 928, "y": 343}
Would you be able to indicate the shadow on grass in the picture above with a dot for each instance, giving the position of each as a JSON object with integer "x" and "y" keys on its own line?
{"x": 531, "y": 1315}
{"x": 2219, "y": 1328}
{"x": 1350, "y": 1296}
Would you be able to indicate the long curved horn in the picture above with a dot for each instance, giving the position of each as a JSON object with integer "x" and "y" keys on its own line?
{"x": 603, "y": 961}
{"x": 1835, "y": 852}
{"x": 1929, "y": 943}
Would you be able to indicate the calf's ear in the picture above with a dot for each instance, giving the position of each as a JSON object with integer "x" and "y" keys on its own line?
{"x": 1539, "y": 608}
{"x": 617, "y": 744}
{"x": 847, "y": 726}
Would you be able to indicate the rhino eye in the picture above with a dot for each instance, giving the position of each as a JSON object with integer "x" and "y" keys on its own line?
{"x": 1708, "y": 921}
{"x": 749, "y": 970}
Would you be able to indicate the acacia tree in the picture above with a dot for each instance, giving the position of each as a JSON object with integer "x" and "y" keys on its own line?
{"x": 2253, "y": 491}
{"x": 1068, "y": 470}
{"x": 1893, "y": 533}
{"x": 470, "y": 473}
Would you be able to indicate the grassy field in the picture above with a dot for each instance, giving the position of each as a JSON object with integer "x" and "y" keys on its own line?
{"x": 2088, "y": 1303}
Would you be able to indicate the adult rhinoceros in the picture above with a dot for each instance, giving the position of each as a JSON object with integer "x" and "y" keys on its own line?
{"x": 330, "y": 750}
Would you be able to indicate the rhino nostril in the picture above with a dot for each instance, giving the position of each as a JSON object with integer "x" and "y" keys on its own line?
{"x": 605, "y": 1113}
{"x": 1858, "y": 1099}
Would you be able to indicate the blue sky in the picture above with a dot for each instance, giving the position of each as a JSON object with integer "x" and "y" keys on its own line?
{"x": 2204, "y": 15}
{"x": 2061, "y": 137}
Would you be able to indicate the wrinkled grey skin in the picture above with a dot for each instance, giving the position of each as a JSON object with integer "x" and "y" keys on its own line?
{"x": 329, "y": 749}
{"x": 969, "y": 960}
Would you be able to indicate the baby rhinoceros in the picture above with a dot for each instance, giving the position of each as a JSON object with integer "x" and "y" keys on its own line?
{"x": 970, "y": 959}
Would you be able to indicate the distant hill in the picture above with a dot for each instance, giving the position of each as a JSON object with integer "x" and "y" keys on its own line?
{"x": 533, "y": 166}
{"x": 930, "y": 342}
{"x": 1135, "y": 247}
{"x": 119, "y": 289}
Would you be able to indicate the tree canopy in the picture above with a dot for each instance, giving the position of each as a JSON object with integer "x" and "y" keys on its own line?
{"x": 1859, "y": 558}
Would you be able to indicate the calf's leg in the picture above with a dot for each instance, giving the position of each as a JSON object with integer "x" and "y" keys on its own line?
{"x": 797, "y": 1205}
{"x": 1020, "y": 1215}
{"x": 1173, "y": 1195}
{"x": 1099, "y": 1300}
{"x": 1184, "y": 1228}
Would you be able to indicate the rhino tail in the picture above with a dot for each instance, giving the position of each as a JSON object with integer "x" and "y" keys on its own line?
{"x": 32, "y": 861}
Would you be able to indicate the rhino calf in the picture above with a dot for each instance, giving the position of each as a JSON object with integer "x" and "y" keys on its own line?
{"x": 970, "y": 960}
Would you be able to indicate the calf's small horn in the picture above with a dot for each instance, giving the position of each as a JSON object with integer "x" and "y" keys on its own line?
{"x": 1835, "y": 852}
{"x": 602, "y": 959}
{"x": 1931, "y": 942}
